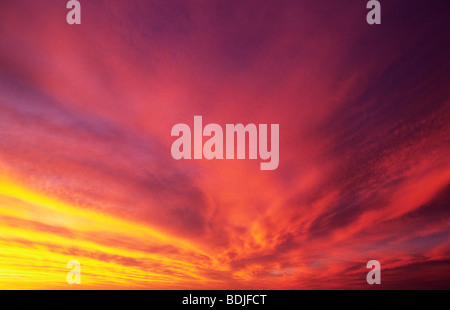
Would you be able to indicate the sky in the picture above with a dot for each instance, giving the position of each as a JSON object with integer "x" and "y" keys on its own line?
{"x": 86, "y": 171}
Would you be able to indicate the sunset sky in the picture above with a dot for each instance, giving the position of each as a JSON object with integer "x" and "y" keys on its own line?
{"x": 86, "y": 171}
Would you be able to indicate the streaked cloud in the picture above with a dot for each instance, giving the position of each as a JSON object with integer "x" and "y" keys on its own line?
{"x": 85, "y": 166}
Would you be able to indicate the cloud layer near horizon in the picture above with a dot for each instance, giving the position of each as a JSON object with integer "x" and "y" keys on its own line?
{"x": 86, "y": 172}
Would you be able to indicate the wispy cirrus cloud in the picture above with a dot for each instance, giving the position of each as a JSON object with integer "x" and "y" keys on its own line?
{"x": 86, "y": 171}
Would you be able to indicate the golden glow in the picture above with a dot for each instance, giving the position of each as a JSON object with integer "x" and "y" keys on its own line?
{"x": 34, "y": 255}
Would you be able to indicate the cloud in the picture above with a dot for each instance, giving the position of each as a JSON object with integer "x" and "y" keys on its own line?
{"x": 85, "y": 165}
